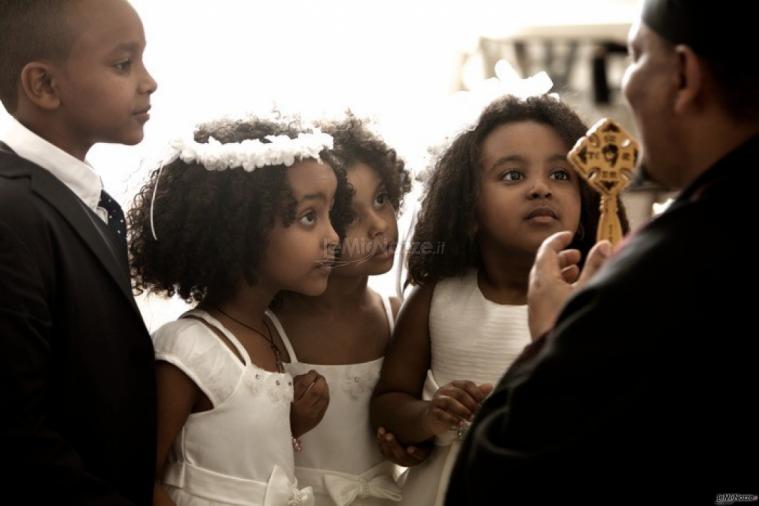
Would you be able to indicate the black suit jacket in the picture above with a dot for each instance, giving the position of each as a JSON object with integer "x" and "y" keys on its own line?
{"x": 646, "y": 391}
{"x": 76, "y": 361}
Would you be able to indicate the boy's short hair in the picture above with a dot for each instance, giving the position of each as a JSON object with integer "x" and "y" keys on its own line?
{"x": 31, "y": 30}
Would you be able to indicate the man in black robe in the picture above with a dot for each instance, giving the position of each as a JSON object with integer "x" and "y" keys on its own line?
{"x": 642, "y": 387}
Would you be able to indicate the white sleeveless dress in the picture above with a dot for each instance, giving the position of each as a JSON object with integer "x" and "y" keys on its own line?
{"x": 471, "y": 338}
{"x": 340, "y": 459}
{"x": 240, "y": 452}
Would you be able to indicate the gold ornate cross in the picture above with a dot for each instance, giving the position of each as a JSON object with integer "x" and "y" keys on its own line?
{"x": 606, "y": 158}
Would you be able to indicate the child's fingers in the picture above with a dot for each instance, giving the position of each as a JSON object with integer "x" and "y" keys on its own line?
{"x": 470, "y": 388}
{"x": 318, "y": 389}
{"x": 303, "y": 382}
{"x": 308, "y": 377}
{"x": 450, "y": 412}
{"x": 394, "y": 451}
{"x": 456, "y": 402}
{"x": 417, "y": 453}
{"x": 313, "y": 397}
{"x": 322, "y": 406}
{"x": 414, "y": 453}
{"x": 390, "y": 445}
{"x": 411, "y": 456}
{"x": 466, "y": 393}
{"x": 315, "y": 405}
{"x": 390, "y": 448}
{"x": 486, "y": 388}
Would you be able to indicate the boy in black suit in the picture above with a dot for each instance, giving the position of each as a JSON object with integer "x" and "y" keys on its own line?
{"x": 76, "y": 361}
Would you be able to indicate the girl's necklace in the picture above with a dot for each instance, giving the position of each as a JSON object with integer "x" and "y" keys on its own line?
{"x": 269, "y": 339}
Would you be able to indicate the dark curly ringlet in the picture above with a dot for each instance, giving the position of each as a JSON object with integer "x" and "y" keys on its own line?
{"x": 356, "y": 143}
{"x": 448, "y": 208}
{"x": 213, "y": 226}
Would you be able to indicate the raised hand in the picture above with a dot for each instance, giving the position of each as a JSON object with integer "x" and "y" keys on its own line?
{"x": 310, "y": 401}
{"x": 555, "y": 275}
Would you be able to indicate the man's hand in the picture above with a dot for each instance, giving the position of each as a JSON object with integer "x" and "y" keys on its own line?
{"x": 555, "y": 275}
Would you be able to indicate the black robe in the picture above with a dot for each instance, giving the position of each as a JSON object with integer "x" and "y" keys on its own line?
{"x": 646, "y": 391}
{"x": 78, "y": 420}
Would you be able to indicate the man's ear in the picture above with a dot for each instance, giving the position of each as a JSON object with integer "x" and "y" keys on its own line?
{"x": 38, "y": 85}
{"x": 690, "y": 70}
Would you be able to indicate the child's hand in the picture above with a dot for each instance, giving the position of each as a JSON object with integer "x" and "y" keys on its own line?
{"x": 310, "y": 401}
{"x": 452, "y": 405}
{"x": 393, "y": 451}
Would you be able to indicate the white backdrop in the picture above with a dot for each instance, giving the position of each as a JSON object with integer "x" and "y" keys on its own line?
{"x": 393, "y": 59}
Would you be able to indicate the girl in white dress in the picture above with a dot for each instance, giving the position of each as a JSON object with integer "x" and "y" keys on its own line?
{"x": 244, "y": 211}
{"x": 497, "y": 192}
{"x": 343, "y": 333}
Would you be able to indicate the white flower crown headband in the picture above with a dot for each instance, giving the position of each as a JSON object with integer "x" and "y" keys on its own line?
{"x": 249, "y": 155}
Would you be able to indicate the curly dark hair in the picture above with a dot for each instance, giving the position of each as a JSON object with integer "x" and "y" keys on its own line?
{"x": 355, "y": 143}
{"x": 456, "y": 181}
{"x": 211, "y": 225}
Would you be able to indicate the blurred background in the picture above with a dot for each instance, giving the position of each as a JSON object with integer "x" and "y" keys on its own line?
{"x": 396, "y": 61}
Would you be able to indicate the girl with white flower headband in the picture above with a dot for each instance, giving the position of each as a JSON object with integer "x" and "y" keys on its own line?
{"x": 239, "y": 213}
{"x": 497, "y": 191}
{"x": 344, "y": 332}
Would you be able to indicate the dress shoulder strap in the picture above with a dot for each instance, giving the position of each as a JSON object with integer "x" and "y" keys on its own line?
{"x": 215, "y": 324}
{"x": 282, "y": 335}
{"x": 388, "y": 312}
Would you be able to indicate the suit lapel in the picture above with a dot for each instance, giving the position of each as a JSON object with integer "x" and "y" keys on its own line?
{"x": 73, "y": 210}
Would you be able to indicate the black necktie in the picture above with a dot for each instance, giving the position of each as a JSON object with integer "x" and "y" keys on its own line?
{"x": 115, "y": 215}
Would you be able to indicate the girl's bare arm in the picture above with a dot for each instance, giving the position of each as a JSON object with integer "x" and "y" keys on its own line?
{"x": 396, "y": 403}
{"x": 177, "y": 395}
